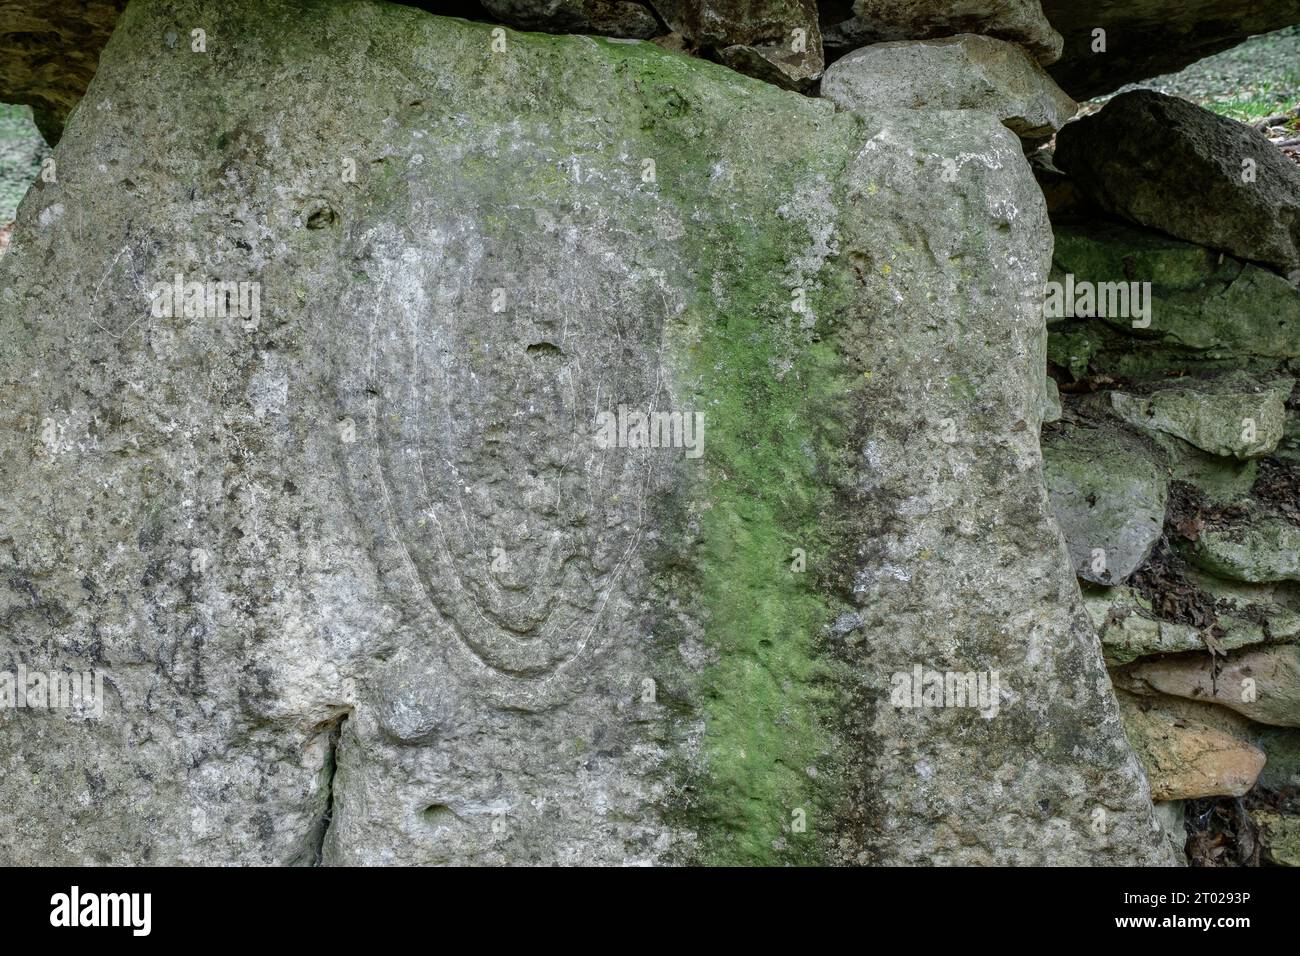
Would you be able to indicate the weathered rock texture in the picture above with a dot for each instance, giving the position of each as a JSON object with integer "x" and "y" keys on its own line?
{"x": 1019, "y": 21}
{"x": 604, "y": 17}
{"x": 1264, "y": 549}
{"x": 1235, "y": 415}
{"x": 366, "y": 587}
{"x": 1191, "y": 750}
{"x": 1206, "y": 308}
{"x": 775, "y": 40}
{"x": 1131, "y": 628}
{"x": 951, "y": 452}
{"x": 1148, "y": 37}
{"x": 959, "y": 73}
{"x": 1109, "y": 497}
{"x": 48, "y": 53}
{"x": 1262, "y": 684}
{"x": 1247, "y": 193}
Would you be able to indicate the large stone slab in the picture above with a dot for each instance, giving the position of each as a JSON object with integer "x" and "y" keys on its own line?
{"x": 931, "y": 496}
{"x": 966, "y": 72}
{"x": 380, "y": 571}
{"x": 1204, "y": 307}
{"x": 876, "y": 21}
{"x": 1164, "y": 162}
{"x": 1144, "y": 38}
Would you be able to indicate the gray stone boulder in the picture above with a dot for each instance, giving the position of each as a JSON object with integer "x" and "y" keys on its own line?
{"x": 1109, "y": 497}
{"x": 1236, "y": 415}
{"x": 616, "y": 18}
{"x": 958, "y": 73}
{"x": 876, "y": 21}
{"x": 590, "y": 472}
{"x": 1144, "y": 38}
{"x": 1163, "y": 162}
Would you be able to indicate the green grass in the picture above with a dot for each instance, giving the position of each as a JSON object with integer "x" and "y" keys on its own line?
{"x": 1264, "y": 99}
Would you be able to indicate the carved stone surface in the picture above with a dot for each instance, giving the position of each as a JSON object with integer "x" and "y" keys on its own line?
{"x": 369, "y": 581}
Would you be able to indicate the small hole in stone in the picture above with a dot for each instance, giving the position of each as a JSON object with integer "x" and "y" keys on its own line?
{"x": 438, "y": 814}
{"x": 544, "y": 348}
{"x": 320, "y": 215}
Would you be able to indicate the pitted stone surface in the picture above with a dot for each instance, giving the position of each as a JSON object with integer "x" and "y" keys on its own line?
{"x": 966, "y": 72}
{"x": 365, "y": 585}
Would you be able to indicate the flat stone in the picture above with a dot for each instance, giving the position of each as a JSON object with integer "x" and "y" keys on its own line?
{"x": 1145, "y": 38}
{"x": 1260, "y": 549}
{"x": 957, "y": 73}
{"x": 1188, "y": 751}
{"x": 1166, "y": 163}
{"x": 1017, "y": 21}
{"x": 1277, "y": 602}
{"x": 1205, "y": 306}
{"x": 1130, "y": 630}
{"x": 1262, "y": 684}
{"x": 1236, "y": 415}
{"x": 1109, "y": 498}
{"x": 1100, "y": 250}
